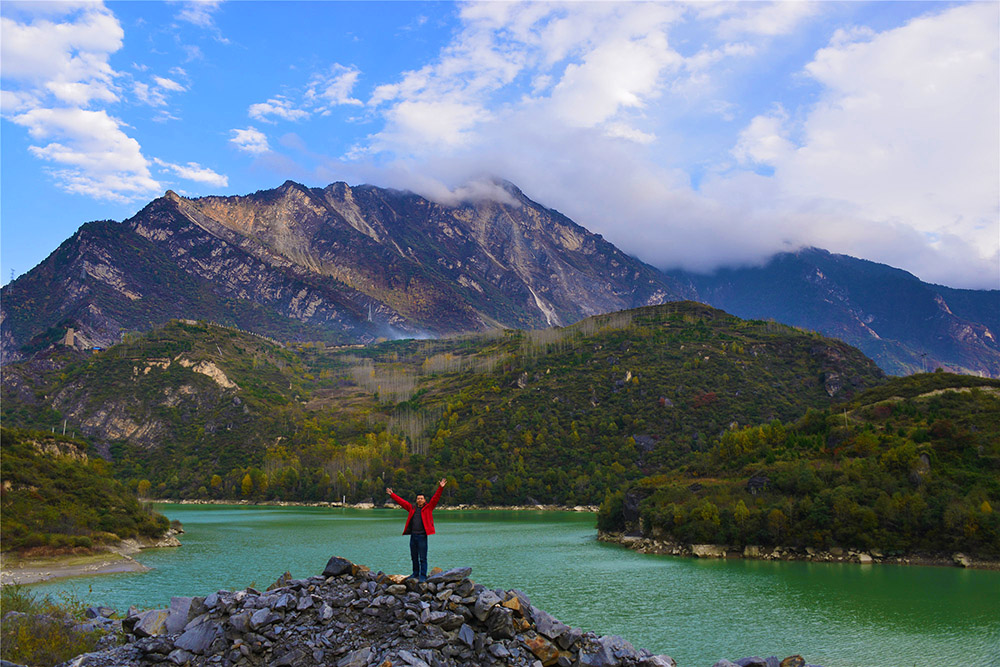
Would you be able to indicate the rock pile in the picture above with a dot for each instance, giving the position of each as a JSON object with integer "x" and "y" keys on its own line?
{"x": 352, "y": 617}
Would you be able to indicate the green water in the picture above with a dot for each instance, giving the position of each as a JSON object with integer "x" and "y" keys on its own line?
{"x": 697, "y": 611}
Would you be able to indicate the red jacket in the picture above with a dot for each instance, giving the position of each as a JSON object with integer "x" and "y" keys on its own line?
{"x": 426, "y": 512}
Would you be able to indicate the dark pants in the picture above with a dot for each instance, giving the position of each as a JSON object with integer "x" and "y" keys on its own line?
{"x": 418, "y": 554}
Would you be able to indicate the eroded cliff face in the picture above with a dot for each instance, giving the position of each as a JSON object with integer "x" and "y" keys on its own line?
{"x": 443, "y": 268}
{"x": 338, "y": 264}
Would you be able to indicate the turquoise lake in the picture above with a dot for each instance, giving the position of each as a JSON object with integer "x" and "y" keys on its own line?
{"x": 698, "y": 611}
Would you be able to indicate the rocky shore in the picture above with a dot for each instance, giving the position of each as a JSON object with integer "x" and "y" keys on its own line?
{"x": 352, "y": 617}
{"x": 649, "y": 545}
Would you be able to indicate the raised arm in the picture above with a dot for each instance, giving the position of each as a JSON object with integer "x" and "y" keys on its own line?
{"x": 399, "y": 501}
{"x": 432, "y": 503}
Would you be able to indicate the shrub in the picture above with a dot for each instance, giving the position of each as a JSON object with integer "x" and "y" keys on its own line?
{"x": 43, "y": 634}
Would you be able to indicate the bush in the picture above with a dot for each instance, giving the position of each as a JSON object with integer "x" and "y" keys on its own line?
{"x": 43, "y": 634}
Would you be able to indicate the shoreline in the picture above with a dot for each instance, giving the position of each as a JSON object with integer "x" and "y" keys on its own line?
{"x": 60, "y": 567}
{"x": 110, "y": 560}
{"x": 593, "y": 509}
{"x": 648, "y": 545}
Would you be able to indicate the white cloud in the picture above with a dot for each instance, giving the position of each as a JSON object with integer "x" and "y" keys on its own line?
{"x": 276, "y": 107}
{"x": 765, "y": 140}
{"x": 155, "y": 95}
{"x": 904, "y": 137}
{"x": 737, "y": 19}
{"x": 193, "y": 171}
{"x": 96, "y": 157}
{"x": 334, "y": 87}
{"x": 169, "y": 84}
{"x": 68, "y": 60}
{"x": 149, "y": 94}
{"x": 55, "y": 69}
{"x": 200, "y": 12}
{"x": 251, "y": 140}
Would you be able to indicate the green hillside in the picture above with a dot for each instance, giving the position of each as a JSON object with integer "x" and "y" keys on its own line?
{"x": 56, "y": 497}
{"x": 556, "y": 416}
{"x": 910, "y": 466}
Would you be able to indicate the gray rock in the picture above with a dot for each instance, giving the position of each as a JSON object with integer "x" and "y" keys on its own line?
{"x": 500, "y": 623}
{"x": 412, "y": 660}
{"x": 151, "y": 623}
{"x": 284, "y": 601}
{"x": 304, "y": 602}
{"x": 262, "y": 618}
{"x": 99, "y": 612}
{"x": 289, "y": 658}
{"x": 358, "y": 658}
{"x": 725, "y": 663}
{"x": 547, "y": 624}
{"x": 752, "y": 662}
{"x": 466, "y": 635}
{"x": 241, "y": 621}
{"x": 180, "y": 608}
{"x": 657, "y": 661}
{"x": 567, "y": 639}
{"x": 326, "y": 612}
{"x": 211, "y": 601}
{"x": 453, "y": 575}
{"x": 596, "y": 655}
{"x": 337, "y": 566}
{"x": 199, "y": 638}
{"x": 484, "y": 603}
{"x": 618, "y": 647}
{"x": 179, "y": 657}
{"x": 499, "y": 651}
{"x": 772, "y": 661}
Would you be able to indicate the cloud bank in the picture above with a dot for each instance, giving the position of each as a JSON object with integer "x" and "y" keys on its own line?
{"x": 883, "y": 145}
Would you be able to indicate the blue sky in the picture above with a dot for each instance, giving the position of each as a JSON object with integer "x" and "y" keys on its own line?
{"x": 691, "y": 135}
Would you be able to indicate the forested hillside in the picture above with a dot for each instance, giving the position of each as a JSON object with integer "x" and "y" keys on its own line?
{"x": 56, "y": 498}
{"x": 553, "y": 416}
{"x": 913, "y": 465}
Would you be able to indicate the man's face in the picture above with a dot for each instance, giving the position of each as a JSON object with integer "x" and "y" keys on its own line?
{"x": 421, "y": 501}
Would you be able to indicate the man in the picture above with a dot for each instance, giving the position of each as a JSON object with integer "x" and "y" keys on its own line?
{"x": 419, "y": 524}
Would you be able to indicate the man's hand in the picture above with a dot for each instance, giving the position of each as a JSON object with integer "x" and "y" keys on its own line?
{"x": 442, "y": 482}
{"x": 388, "y": 490}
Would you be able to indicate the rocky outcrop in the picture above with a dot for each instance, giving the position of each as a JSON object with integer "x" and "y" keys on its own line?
{"x": 352, "y": 617}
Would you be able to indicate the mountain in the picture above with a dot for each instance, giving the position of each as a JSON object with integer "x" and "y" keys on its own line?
{"x": 905, "y": 325}
{"x": 346, "y": 264}
{"x": 558, "y": 415}
{"x": 337, "y": 264}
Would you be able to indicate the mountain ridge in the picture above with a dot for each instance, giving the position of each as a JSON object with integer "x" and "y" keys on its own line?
{"x": 347, "y": 264}
{"x": 862, "y": 303}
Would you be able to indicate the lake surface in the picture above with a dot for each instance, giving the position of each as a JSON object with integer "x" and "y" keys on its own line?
{"x": 836, "y": 615}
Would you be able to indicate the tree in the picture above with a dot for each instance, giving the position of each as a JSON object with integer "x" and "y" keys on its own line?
{"x": 246, "y": 485}
{"x": 143, "y": 488}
